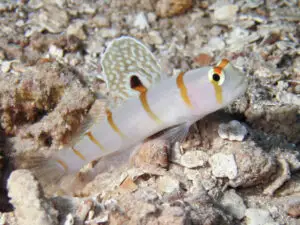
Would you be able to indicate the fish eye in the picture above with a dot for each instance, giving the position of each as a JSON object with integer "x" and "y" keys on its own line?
{"x": 216, "y": 78}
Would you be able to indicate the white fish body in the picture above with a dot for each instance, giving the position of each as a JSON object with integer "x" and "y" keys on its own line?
{"x": 146, "y": 104}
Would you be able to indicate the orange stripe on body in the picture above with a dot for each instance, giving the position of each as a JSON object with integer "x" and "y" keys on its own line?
{"x": 78, "y": 153}
{"x": 112, "y": 124}
{"x": 94, "y": 140}
{"x": 63, "y": 164}
{"x": 183, "y": 90}
{"x": 143, "y": 99}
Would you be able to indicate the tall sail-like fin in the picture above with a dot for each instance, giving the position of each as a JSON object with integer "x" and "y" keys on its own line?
{"x": 125, "y": 62}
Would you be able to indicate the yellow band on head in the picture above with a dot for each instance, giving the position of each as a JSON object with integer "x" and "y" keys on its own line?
{"x": 218, "y": 93}
{"x": 218, "y": 88}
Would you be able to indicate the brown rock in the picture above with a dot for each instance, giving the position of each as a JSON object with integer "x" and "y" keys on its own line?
{"x": 294, "y": 209}
{"x": 203, "y": 59}
{"x": 168, "y": 8}
{"x": 128, "y": 185}
{"x": 154, "y": 152}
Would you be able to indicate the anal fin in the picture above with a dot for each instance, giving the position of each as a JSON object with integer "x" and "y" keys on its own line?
{"x": 176, "y": 133}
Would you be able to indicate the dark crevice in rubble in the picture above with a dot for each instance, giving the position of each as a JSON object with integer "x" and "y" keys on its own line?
{"x": 5, "y": 170}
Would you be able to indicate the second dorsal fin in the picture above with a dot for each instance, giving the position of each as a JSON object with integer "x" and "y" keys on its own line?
{"x": 128, "y": 63}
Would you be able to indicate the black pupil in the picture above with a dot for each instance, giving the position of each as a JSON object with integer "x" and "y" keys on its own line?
{"x": 216, "y": 77}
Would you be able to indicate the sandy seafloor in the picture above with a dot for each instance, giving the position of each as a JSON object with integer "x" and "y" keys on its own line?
{"x": 239, "y": 165}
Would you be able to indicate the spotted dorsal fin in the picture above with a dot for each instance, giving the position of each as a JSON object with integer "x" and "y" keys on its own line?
{"x": 126, "y": 62}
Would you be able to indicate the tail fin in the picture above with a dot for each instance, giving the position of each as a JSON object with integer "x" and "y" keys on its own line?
{"x": 46, "y": 169}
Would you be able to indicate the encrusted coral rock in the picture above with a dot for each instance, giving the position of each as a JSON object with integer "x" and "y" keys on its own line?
{"x": 253, "y": 164}
{"x": 28, "y": 98}
{"x": 43, "y": 106}
{"x": 31, "y": 207}
{"x": 282, "y": 117}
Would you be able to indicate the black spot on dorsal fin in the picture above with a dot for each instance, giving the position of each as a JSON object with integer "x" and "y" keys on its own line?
{"x": 136, "y": 84}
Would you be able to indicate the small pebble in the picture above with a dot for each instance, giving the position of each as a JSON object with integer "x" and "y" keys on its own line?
{"x": 147, "y": 194}
{"x": 76, "y": 29}
{"x": 282, "y": 85}
{"x": 256, "y": 216}
{"x": 216, "y": 43}
{"x": 128, "y": 185}
{"x": 53, "y": 24}
{"x": 167, "y": 184}
{"x": 223, "y": 165}
{"x": 35, "y": 4}
{"x": 234, "y": 204}
{"x": 84, "y": 209}
{"x": 69, "y": 219}
{"x": 3, "y": 7}
{"x": 140, "y": 21}
{"x": 151, "y": 17}
{"x": 154, "y": 37}
{"x": 74, "y": 61}
{"x": 192, "y": 159}
{"x": 238, "y": 37}
{"x": 297, "y": 89}
{"x": 101, "y": 21}
{"x": 60, "y": 3}
{"x": 109, "y": 32}
{"x": 88, "y": 9}
{"x": 111, "y": 204}
{"x": 288, "y": 98}
{"x": 98, "y": 220}
{"x": 5, "y": 66}
{"x": 20, "y": 23}
{"x": 2, "y": 55}
{"x": 226, "y": 13}
{"x": 233, "y": 131}
{"x": 56, "y": 51}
